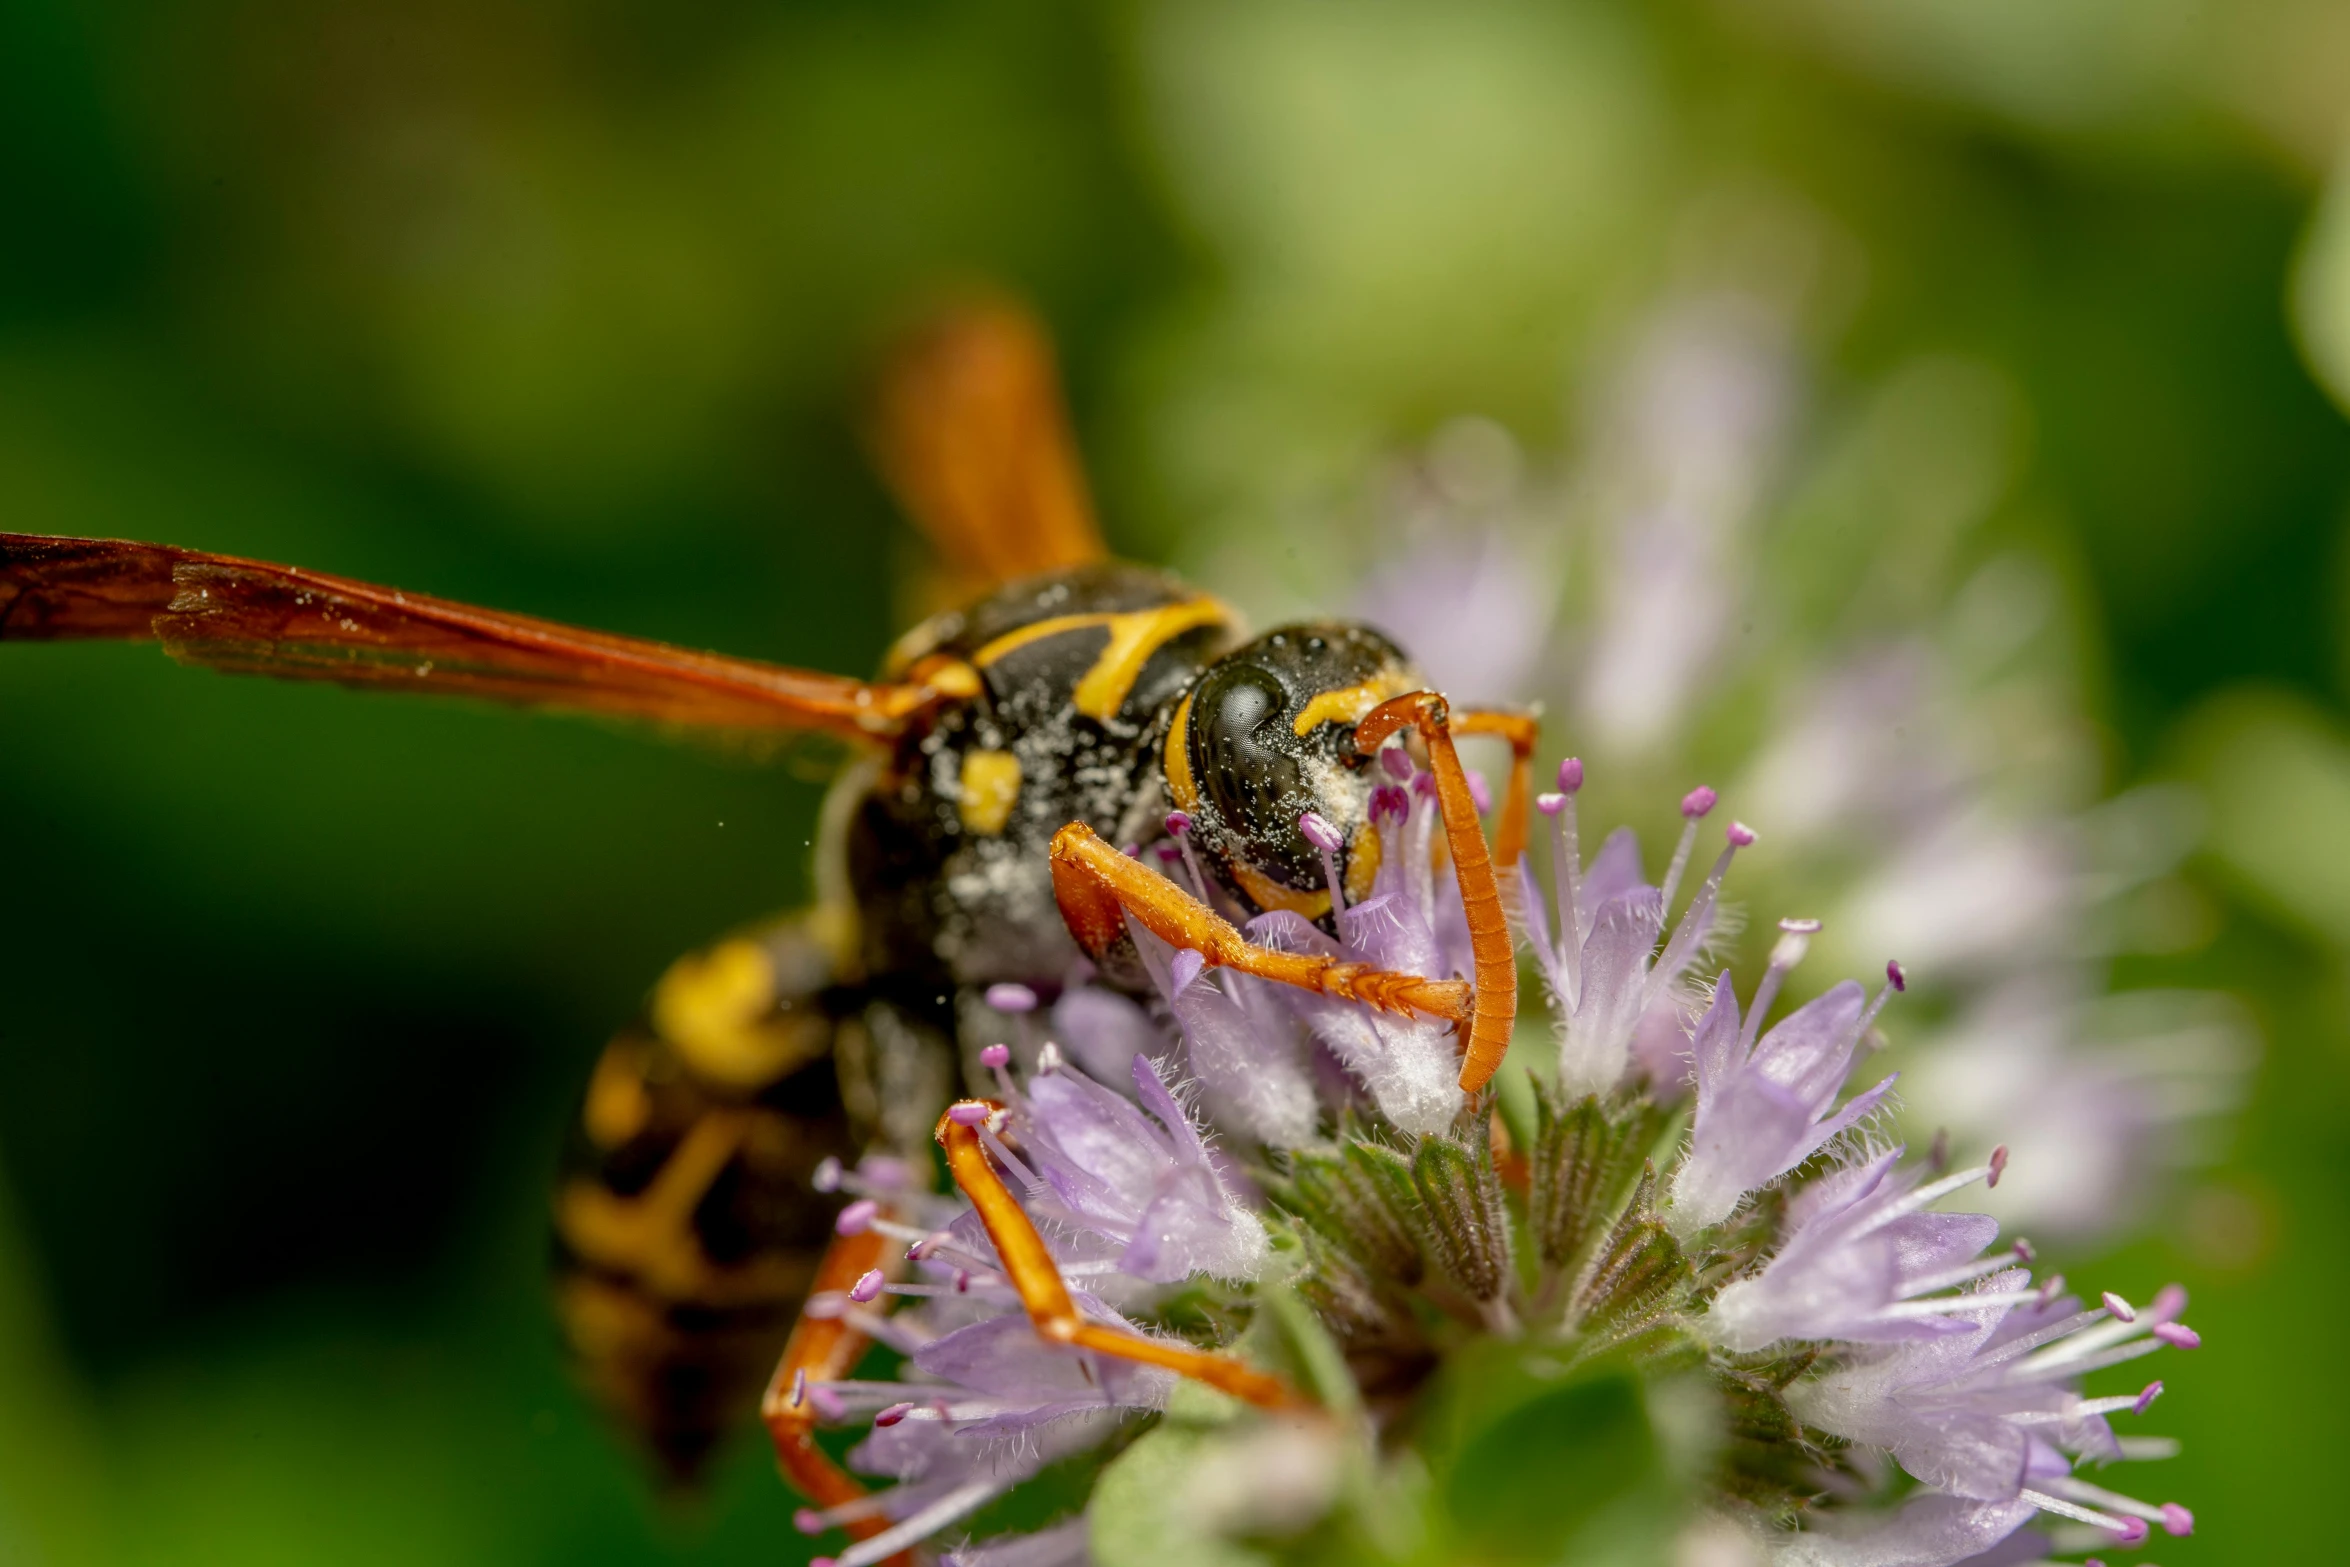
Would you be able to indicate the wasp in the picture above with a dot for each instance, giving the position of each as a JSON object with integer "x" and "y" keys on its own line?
{"x": 1006, "y": 768}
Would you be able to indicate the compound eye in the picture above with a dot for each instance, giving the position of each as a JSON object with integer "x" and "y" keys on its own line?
{"x": 1246, "y": 762}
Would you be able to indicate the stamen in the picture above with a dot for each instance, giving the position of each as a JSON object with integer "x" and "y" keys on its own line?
{"x": 1794, "y": 941}
{"x": 2051, "y": 1288}
{"x": 1032, "y": 1183}
{"x": 1931, "y": 1192}
{"x": 963, "y": 1500}
{"x": 898, "y": 1333}
{"x": 2091, "y": 1349}
{"x": 1700, "y": 911}
{"x": 904, "y": 1232}
{"x": 2127, "y": 1531}
{"x": 1390, "y": 800}
{"x": 892, "y": 1415}
{"x": 810, "y": 1521}
{"x": 868, "y": 1286}
{"x": 995, "y": 1058}
{"x": 2178, "y": 1335}
{"x": 1398, "y": 763}
{"x": 2175, "y": 1520}
{"x": 2024, "y": 1252}
{"x": 1868, "y": 1020}
{"x": 827, "y": 1176}
{"x": 1179, "y": 829}
{"x": 857, "y": 1217}
{"x": 965, "y": 1282}
{"x": 2122, "y": 1310}
{"x": 1998, "y": 1154}
{"x": 1566, "y": 852}
{"x": 1011, "y": 998}
{"x": 1694, "y": 805}
{"x": 1896, "y": 975}
{"x": 967, "y": 1114}
{"x": 1315, "y": 828}
{"x": 2146, "y": 1396}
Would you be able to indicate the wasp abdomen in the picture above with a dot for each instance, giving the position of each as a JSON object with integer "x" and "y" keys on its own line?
{"x": 687, "y": 1223}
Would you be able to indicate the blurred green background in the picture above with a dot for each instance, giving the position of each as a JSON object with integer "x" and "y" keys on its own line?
{"x": 565, "y": 309}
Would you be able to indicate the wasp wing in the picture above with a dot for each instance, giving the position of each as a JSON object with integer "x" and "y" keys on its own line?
{"x": 970, "y": 432}
{"x": 249, "y": 617}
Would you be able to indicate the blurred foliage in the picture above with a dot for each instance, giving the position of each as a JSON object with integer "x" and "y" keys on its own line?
{"x": 565, "y": 309}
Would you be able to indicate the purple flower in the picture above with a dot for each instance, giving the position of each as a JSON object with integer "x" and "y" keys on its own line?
{"x": 1992, "y": 1412}
{"x": 1131, "y": 1199}
{"x": 1763, "y": 1106}
{"x": 984, "y": 1405}
{"x": 1143, "y": 1183}
{"x": 1610, "y": 989}
{"x": 1861, "y": 1249}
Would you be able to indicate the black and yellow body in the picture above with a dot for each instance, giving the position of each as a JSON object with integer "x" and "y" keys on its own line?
{"x": 687, "y": 1223}
{"x": 1107, "y": 695}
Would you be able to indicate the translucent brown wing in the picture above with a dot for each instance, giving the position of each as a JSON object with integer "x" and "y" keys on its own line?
{"x": 249, "y": 617}
{"x": 971, "y": 435}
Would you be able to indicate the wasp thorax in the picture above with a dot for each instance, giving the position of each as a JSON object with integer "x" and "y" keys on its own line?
{"x": 1267, "y": 738}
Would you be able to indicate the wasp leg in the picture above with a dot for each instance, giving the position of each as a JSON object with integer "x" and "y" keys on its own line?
{"x": 1038, "y": 1279}
{"x": 1098, "y": 888}
{"x": 821, "y": 1349}
{"x": 1522, "y": 730}
{"x": 1494, "y": 1011}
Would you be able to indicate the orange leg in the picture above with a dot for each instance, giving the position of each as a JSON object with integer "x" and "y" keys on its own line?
{"x": 1098, "y": 888}
{"x": 821, "y": 1350}
{"x": 1494, "y": 1011}
{"x": 1033, "y": 1273}
{"x": 1522, "y": 731}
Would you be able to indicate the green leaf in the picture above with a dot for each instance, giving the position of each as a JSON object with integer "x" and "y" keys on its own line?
{"x": 1534, "y": 1462}
{"x": 1141, "y": 1513}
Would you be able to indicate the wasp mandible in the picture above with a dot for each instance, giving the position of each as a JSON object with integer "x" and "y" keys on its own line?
{"x": 1007, "y": 765}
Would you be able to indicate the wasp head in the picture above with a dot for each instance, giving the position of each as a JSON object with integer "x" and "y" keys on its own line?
{"x": 1266, "y": 735}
